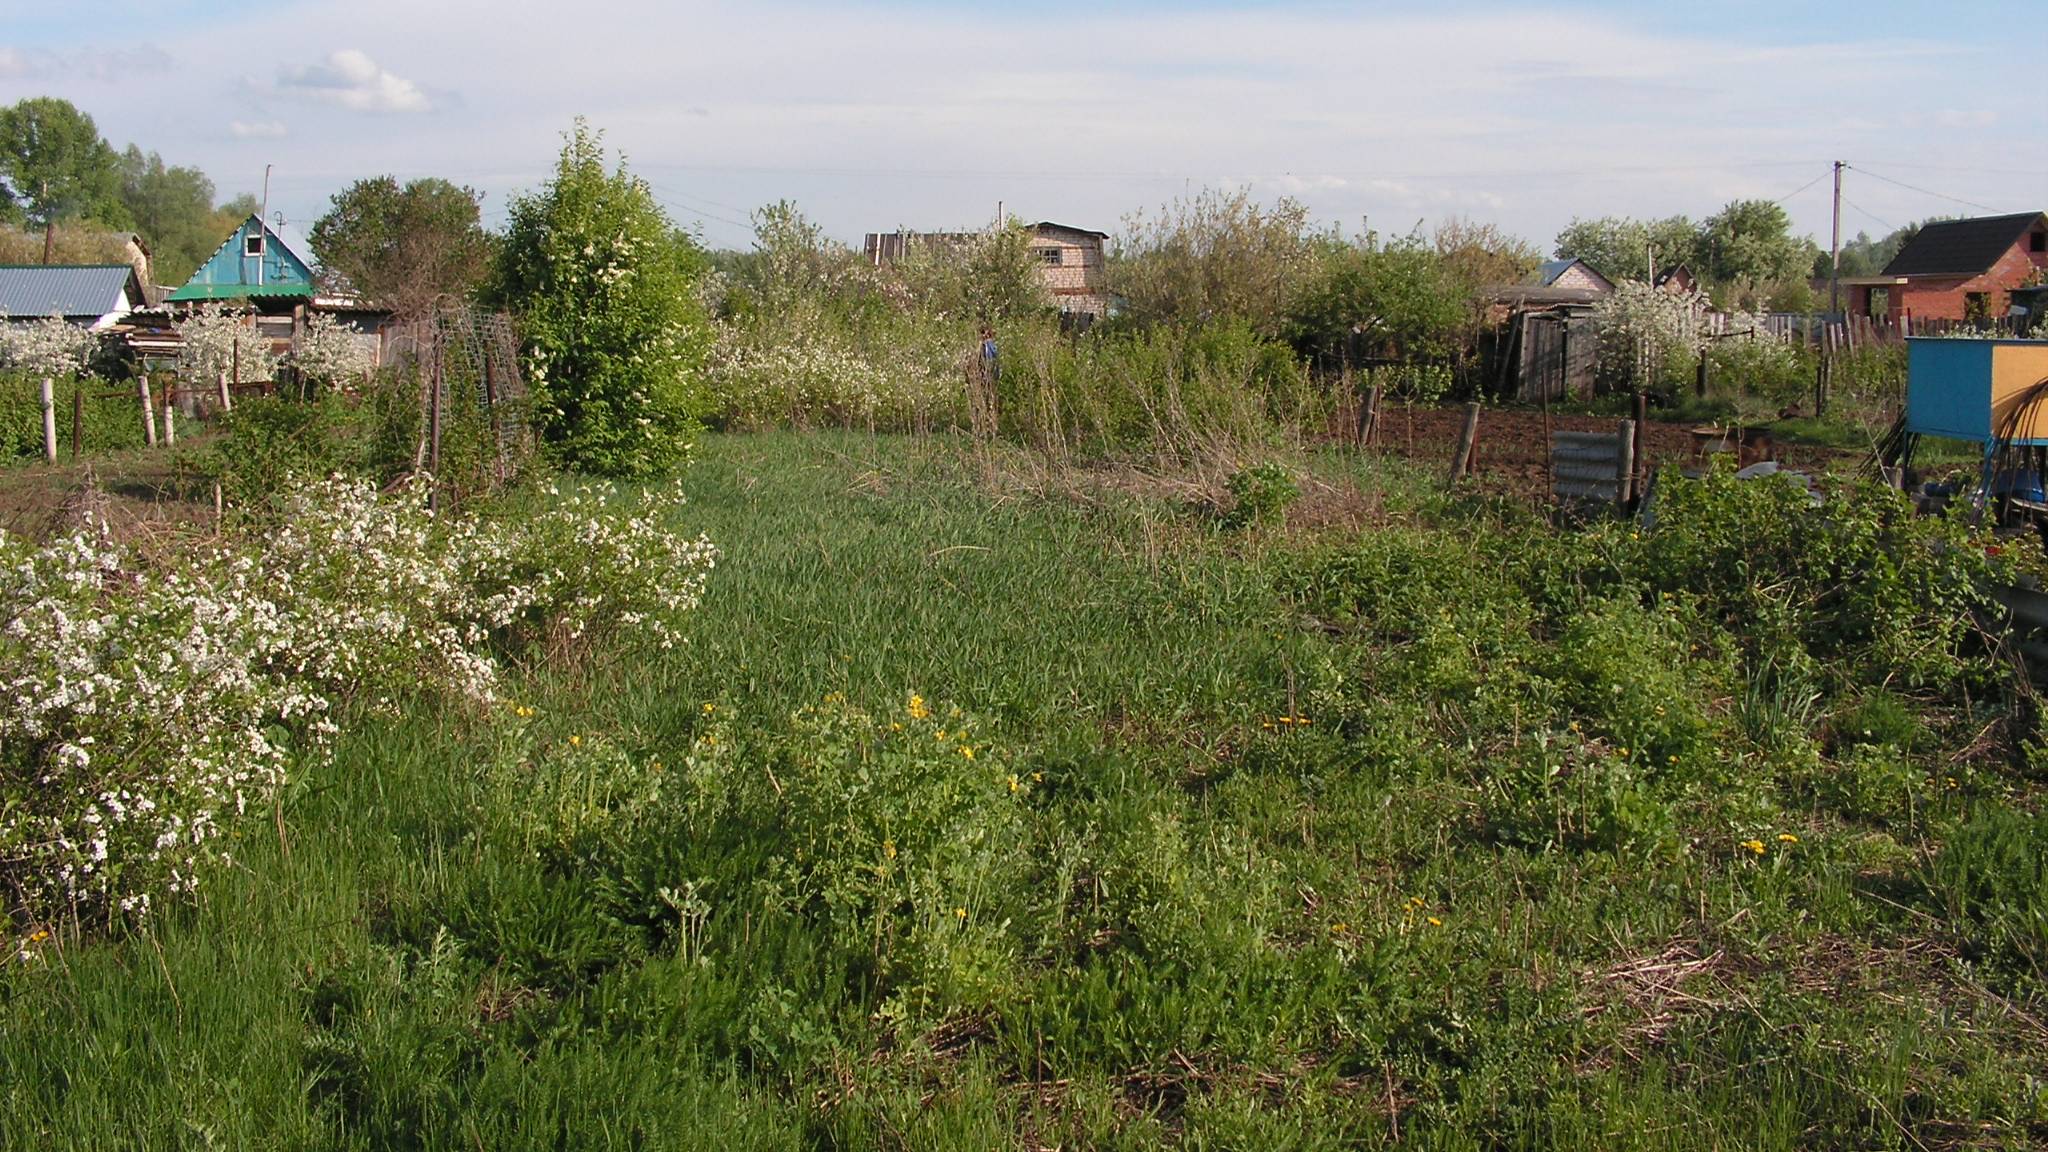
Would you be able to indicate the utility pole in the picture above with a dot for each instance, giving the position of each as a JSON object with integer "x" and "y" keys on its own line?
{"x": 1835, "y": 247}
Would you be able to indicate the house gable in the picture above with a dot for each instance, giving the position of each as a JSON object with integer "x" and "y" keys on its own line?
{"x": 255, "y": 261}
{"x": 1573, "y": 273}
{"x": 1965, "y": 248}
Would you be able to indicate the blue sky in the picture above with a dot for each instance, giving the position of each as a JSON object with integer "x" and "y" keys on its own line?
{"x": 929, "y": 114}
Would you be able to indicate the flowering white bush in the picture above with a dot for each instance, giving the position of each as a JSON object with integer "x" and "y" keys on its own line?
{"x": 800, "y": 373}
{"x": 1649, "y": 333}
{"x": 326, "y": 352}
{"x": 211, "y": 336}
{"x": 143, "y": 710}
{"x": 51, "y": 346}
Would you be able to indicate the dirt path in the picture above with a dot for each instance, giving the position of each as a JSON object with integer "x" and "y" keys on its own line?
{"x": 1510, "y": 453}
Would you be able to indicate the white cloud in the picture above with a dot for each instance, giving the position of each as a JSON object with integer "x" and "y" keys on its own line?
{"x": 352, "y": 80}
{"x": 256, "y": 129}
{"x": 1526, "y": 117}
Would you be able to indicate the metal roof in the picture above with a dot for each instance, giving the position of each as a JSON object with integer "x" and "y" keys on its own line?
{"x": 31, "y": 291}
{"x": 1961, "y": 247}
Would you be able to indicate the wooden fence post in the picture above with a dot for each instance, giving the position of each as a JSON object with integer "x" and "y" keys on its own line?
{"x": 227, "y": 395}
{"x": 148, "y": 412}
{"x": 77, "y": 420}
{"x": 1625, "y": 464}
{"x": 1636, "y": 446}
{"x": 49, "y": 421}
{"x": 170, "y": 422}
{"x": 1462, "y": 461}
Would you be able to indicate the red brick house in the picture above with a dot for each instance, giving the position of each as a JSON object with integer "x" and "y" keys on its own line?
{"x": 1963, "y": 270}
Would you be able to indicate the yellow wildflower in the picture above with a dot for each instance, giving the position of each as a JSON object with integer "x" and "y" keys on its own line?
{"x": 959, "y": 913}
{"x": 1436, "y": 922}
{"x": 1787, "y": 838}
{"x": 942, "y": 735}
{"x": 889, "y": 849}
{"x": 969, "y": 753}
{"x": 1013, "y": 784}
{"x": 709, "y": 708}
{"x": 917, "y": 709}
{"x": 1756, "y": 846}
{"x": 576, "y": 741}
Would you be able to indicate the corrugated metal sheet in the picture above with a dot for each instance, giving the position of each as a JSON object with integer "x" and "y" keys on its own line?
{"x": 1585, "y": 465}
{"x": 73, "y": 291}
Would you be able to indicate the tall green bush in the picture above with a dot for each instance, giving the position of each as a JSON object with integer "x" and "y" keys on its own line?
{"x": 605, "y": 291}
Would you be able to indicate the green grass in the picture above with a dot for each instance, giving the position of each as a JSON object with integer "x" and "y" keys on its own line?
{"x": 1433, "y": 915}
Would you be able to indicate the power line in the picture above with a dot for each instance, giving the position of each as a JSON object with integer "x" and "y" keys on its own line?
{"x": 1803, "y": 187}
{"x": 1881, "y": 221}
{"x": 1927, "y": 191}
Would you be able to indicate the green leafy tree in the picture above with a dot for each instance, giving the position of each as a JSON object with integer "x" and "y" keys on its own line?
{"x": 1218, "y": 255}
{"x": 1864, "y": 256}
{"x": 404, "y": 246}
{"x": 1749, "y": 247}
{"x": 985, "y": 277}
{"x": 1620, "y": 247}
{"x": 1401, "y": 300}
{"x": 605, "y": 290}
{"x": 172, "y": 207}
{"x": 57, "y": 167}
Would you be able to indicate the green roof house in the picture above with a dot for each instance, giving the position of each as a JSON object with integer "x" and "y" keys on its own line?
{"x": 260, "y": 263}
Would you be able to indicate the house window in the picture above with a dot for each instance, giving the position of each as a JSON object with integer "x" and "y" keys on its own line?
{"x": 252, "y": 244}
{"x": 1976, "y": 307}
{"x": 2037, "y": 241}
{"x": 1052, "y": 256}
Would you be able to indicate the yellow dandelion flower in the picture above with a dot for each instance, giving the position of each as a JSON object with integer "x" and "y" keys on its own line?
{"x": 1787, "y": 838}
{"x": 889, "y": 849}
{"x": 917, "y": 709}
{"x": 959, "y": 913}
{"x": 1014, "y": 786}
{"x": 1756, "y": 846}
{"x": 942, "y": 735}
{"x": 576, "y": 741}
{"x": 1436, "y": 922}
{"x": 709, "y": 708}
{"x": 1340, "y": 927}
{"x": 1036, "y": 777}
{"x": 896, "y": 726}
{"x": 969, "y": 754}
{"x": 39, "y": 935}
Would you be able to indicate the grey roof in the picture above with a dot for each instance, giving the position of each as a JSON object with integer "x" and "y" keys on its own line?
{"x": 30, "y": 291}
{"x": 1047, "y": 225}
{"x": 1960, "y": 247}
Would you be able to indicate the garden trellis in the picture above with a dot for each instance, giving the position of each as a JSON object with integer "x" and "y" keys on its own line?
{"x": 467, "y": 360}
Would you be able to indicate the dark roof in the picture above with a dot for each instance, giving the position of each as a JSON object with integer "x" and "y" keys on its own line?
{"x": 1961, "y": 247}
{"x": 73, "y": 291}
{"x": 1043, "y": 225}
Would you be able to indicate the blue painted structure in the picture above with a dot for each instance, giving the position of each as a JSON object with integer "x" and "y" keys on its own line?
{"x": 283, "y": 267}
{"x": 1967, "y": 388}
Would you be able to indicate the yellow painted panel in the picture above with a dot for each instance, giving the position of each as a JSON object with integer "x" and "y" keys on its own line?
{"x": 2015, "y": 369}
